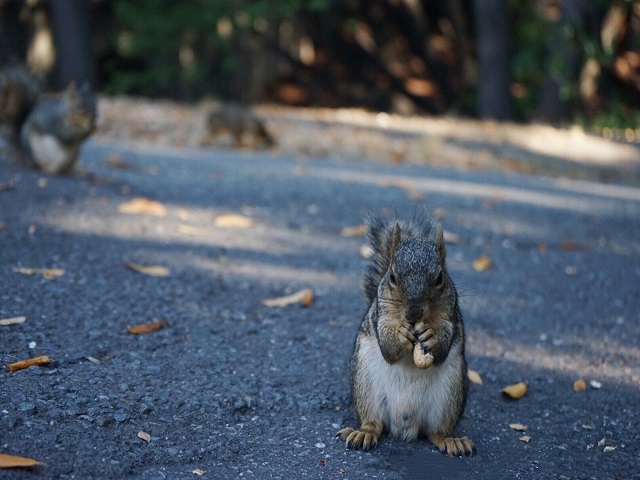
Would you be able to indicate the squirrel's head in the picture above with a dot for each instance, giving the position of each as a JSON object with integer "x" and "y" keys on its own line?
{"x": 417, "y": 276}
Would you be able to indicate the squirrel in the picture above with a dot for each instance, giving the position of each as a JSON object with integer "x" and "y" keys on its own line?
{"x": 244, "y": 127}
{"x": 19, "y": 90}
{"x": 55, "y": 128}
{"x": 408, "y": 369}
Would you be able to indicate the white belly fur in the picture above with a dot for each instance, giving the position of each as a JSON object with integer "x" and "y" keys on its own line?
{"x": 50, "y": 155}
{"x": 410, "y": 401}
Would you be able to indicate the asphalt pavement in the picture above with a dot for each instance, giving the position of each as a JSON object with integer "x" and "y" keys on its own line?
{"x": 231, "y": 388}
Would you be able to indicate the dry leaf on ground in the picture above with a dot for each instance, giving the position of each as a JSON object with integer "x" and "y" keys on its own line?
{"x": 148, "y": 327}
{"x": 571, "y": 270}
{"x": 525, "y": 438}
{"x": 474, "y": 377}
{"x": 13, "y": 461}
{"x": 570, "y": 246}
{"x": 233, "y": 220}
{"x": 198, "y": 472}
{"x": 414, "y": 192}
{"x": 144, "y": 436}
{"x": 579, "y": 385}
{"x": 2, "y": 225}
{"x": 608, "y": 449}
{"x": 47, "y": 273}
{"x": 8, "y": 185}
{"x": 304, "y": 297}
{"x": 12, "y": 321}
{"x": 31, "y": 362}
{"x": 595, "y": 384}
{"x": 152, "y": 270}
{"x": 518, "y": 427}
{"x": 116, "y": 161}
{"x": 143, "y": 206}
{"x": 349, "y": 232}
{"x": 515, "y": 391}
{"x": 482, "y": 263}
{"x": 189, "y": 231}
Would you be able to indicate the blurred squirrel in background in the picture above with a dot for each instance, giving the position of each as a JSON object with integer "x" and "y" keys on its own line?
{"x": 43, "y": 131}
{"x": 408, "y": 368}
{"x": 55, "y": 128}
{"x": 241, "y": 124}
{"x": 19, "y": 90}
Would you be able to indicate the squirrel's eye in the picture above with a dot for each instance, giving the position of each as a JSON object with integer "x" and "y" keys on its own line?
{"x": 440, "y": 279}
{"x": 392, "y": 278}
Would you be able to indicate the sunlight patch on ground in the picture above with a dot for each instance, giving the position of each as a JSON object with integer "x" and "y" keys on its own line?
{"x": 94, "y": 218}
{"x": 558, "y": 358}
{"x": 595, "y": 202}
{"x": 572, "y": 144}
{"x": 262, "y": 252}
{"x": 269, "y": 272}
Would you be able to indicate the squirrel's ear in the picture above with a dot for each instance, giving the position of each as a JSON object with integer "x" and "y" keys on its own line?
{"x": 395, "y": 239}
{"x": 440, "y": 243}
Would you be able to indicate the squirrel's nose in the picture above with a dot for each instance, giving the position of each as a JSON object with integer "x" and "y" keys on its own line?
{"x": 414, "y": 313}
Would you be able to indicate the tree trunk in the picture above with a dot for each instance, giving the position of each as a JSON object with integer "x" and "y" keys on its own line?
{"x": 494, "y": 59}
{"x": 72, "y": 33}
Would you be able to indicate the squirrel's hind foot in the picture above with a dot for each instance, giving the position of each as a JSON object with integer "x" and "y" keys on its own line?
{"x": 365, "y": 438}
{"x": 454, "y": 447}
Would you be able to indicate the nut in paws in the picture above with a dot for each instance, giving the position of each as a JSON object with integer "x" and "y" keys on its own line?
{"x": 421, "y": 358}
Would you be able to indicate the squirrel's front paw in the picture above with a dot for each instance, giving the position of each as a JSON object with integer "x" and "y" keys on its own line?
{"x": 422, "y": 355}
{"x": 426, "y": 337}
{"x": 395, "y": 339}
{"x": 405, "y": 336}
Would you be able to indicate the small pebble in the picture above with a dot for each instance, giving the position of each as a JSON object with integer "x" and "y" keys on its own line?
{"x": 121, "y": 417}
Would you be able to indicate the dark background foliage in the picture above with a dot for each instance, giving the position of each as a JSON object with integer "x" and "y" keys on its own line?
{"x": 551, "y": 60}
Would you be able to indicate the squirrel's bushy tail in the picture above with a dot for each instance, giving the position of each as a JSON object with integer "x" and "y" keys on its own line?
{"x": 379, "y": 233}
